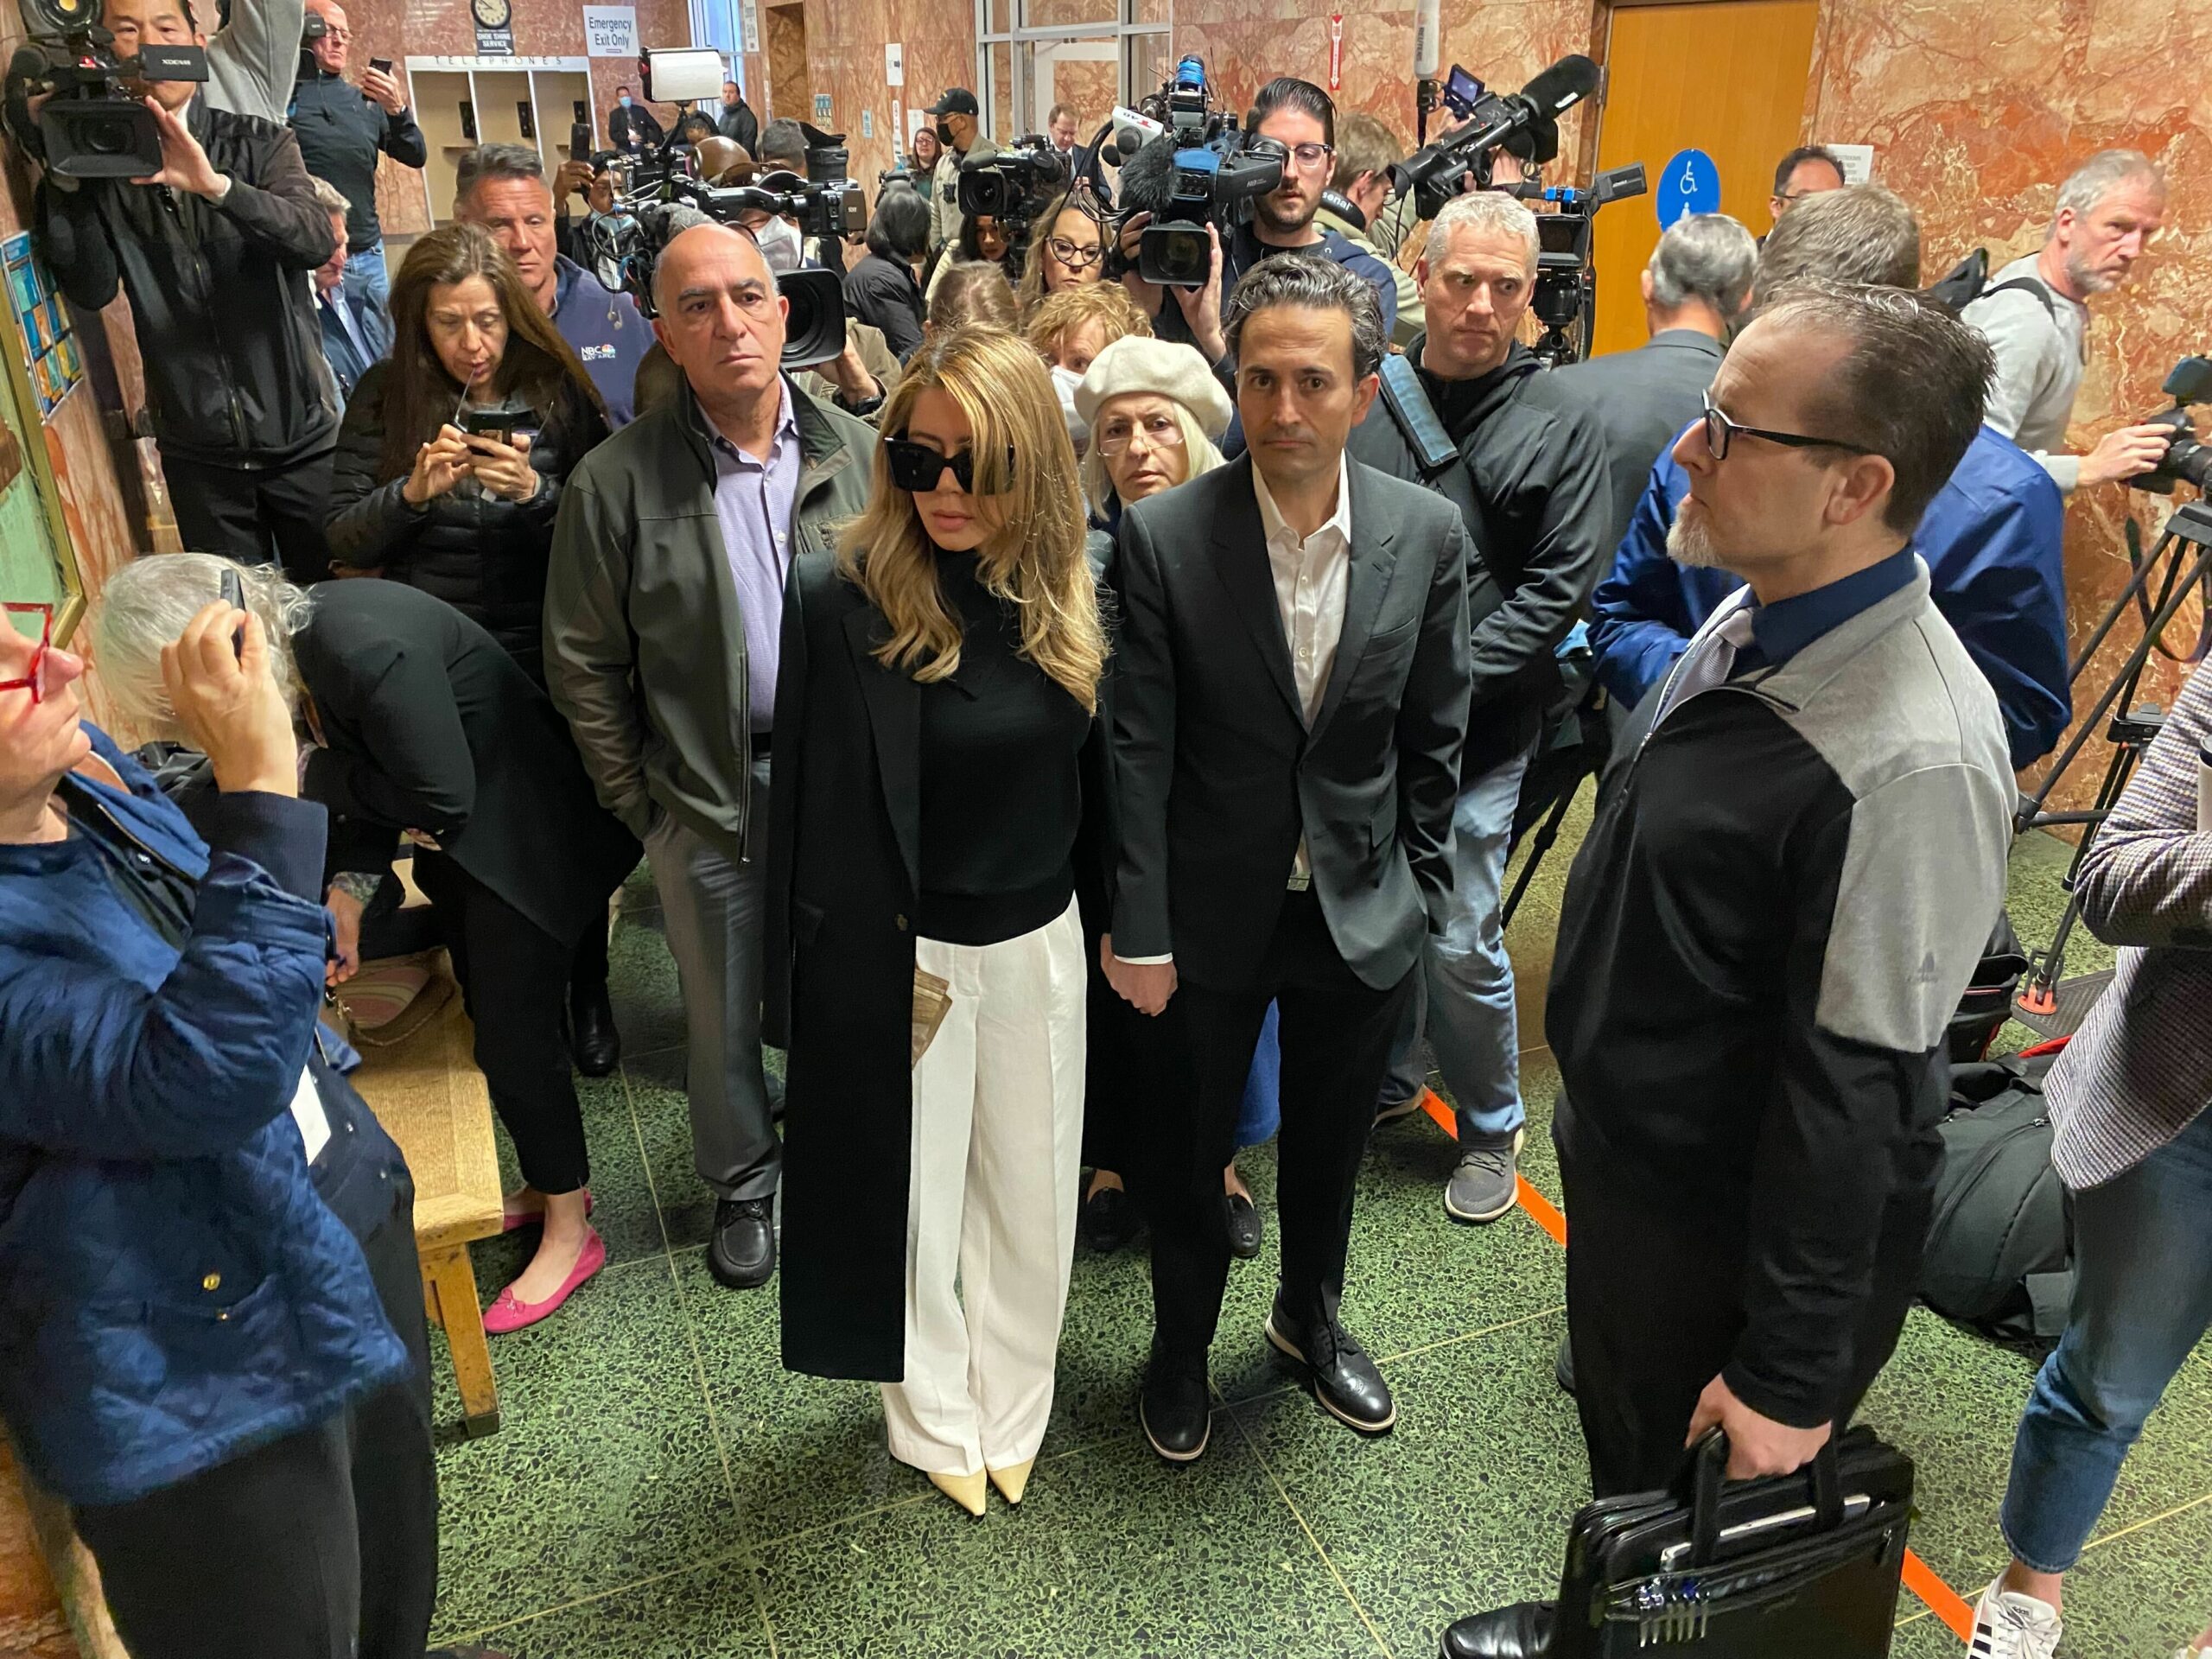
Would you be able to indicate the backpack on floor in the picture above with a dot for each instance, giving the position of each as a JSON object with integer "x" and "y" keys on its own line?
{"x": 2000, "y": 1244}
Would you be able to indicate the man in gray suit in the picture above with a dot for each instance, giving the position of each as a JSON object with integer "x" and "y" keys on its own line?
{"x": 1696, "y": 287}
{"x": 1290, "y": 702}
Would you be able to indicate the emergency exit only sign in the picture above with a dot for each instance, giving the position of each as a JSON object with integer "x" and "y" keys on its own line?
{"x": 610, "y": 31}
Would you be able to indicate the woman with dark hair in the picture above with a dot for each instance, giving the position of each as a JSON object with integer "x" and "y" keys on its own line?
{"x": 927, "y": 153}
{"x": 982, "y": 240}
{"x": 940, "y": 796}
{"x": 880, "y": 287}
{"x": 416, "y": 497}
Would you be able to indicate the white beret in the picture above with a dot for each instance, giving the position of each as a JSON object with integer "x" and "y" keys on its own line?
{"x": 1134, "y": 364}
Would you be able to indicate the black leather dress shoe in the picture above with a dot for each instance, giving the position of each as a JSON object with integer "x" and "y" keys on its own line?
{"x": 594, "y": 1043}
{"x": 1108, "y": 1220}
{"x": 1174, "y": 1408}
{"x": 1520, "y": 1631}
{"x": 1344, "y": 1379}
{"x": 742, "y": 1252}
{"x": 1248, "y": 1229}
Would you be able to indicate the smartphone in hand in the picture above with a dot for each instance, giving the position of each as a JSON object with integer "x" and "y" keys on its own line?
{"x": 382, "y": 66}
{"x": 234, "y": 596}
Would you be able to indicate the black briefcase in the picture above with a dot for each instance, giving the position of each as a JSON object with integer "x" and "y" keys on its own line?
{"x": 1806, "y": 1565}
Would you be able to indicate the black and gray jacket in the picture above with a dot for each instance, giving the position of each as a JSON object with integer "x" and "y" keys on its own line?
{"x": 1534, "y": 489}
{"x": 1785, "y": 891}
{"x": 235, "y": 375}
{"x": 341, "y": 131}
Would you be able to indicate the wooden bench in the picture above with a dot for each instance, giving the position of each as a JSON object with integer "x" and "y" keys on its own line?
{"x": 432, "y": 1100}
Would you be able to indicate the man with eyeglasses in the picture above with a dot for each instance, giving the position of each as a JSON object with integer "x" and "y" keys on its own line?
{"x": 1779, "y": 903}
{"x": 1301, "y": 118}
{"x": 1808, "y": 170}
{"x": 664, "y": 611}
{"x": 1470, "y": 413}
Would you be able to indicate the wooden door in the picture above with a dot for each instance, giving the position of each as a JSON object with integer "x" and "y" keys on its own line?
{"x": 1727, "y": 77}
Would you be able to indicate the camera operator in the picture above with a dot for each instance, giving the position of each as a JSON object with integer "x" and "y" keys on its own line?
{"x": 663, "y": 610}
{"x": 737, "y": 122}
{"x": 783, "y": 147}
{"x": 1772, "y": 918}
{"x": 1696, "y": 287}
{"x": 502, "y": 188}
{"x": 2135, "y": 1149}
{"x": 213, "y": 1292}
{"x": 960, "y": 134}
{"x": 630, "y": 127}
{"x": 1302, "y": 118}
{"x": 1991, "y": 537}
{"x": 1359, "y": 190}
{"x": 212, "y": 251}
{"x": 342, "y": 129}
{"x": 2035, "y": 315}
{"x": 881, "y": 289}
{"x": 1529, "y": 479}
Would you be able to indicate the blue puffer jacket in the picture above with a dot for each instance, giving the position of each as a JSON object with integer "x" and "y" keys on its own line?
{"x": 173, "y": 1293}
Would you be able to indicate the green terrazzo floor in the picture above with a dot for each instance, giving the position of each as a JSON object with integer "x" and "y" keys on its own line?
{"x": 663, "y": 1489}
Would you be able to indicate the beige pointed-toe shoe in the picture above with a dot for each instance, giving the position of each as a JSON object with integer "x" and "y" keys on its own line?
{"x": 966, "y": 1491}
{"x": 1013, "y": 1480}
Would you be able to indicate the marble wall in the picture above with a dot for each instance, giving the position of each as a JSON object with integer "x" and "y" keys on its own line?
{"x": 844, "y": 57}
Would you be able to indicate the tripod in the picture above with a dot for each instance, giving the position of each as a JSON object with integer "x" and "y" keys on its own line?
{"x": 2181, "y": 562}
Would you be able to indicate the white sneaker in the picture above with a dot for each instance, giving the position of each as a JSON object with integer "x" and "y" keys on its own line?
{"x": 2010, "y": 1626}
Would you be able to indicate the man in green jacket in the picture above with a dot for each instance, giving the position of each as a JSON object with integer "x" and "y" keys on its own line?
{"x": 1353, "y": 207}
{"x": 664, "y": 607}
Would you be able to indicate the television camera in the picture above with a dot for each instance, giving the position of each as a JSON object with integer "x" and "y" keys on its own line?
{"x": 1566, "y": 296}
{"x": 90, "y": 122}
{"x": 1524, "y": 124}
{"x": 2187, "y": 460}
{"x": 1200, "y": 168}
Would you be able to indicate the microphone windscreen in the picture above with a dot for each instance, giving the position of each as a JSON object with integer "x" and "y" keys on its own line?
{"x": 1568, "y": 81}
{"x": 1147, "y": 183}
{"x": 665, "y": 221}
{"x": 1428, "y": 29}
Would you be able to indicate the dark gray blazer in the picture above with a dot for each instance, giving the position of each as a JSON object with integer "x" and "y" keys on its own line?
{"x": 1219, "y": 775}
{"x": 1644, "y": 399}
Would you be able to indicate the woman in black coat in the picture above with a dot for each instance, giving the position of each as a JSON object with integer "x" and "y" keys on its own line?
{"x": 942, "y": 788}
{"x": 423, "y": 727}
{"x": 416, "y": 497}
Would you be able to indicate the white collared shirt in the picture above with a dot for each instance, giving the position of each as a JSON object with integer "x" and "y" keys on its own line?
{"x": 1312, "y": 576}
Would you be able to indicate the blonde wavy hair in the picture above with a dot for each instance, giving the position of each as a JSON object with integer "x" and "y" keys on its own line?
{"x": 1030, "y": 293}
{"x": 1035, "y": 558}
{"x": 1058, "y": 314}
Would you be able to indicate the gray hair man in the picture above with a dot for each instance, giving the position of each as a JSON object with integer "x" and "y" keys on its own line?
{"x": 502, "y": 188}
{"x": 350, "y": 343}
{"x": 1694, "y": 289}
{"x": 1292, "y": 695}
{"x": 1355, "y": 205}
{"x": 664, "y": 609}
{"x": 1775, "y": 1170}
{"x": 2034, "y": 315}
{"x": 1525, "y": 460}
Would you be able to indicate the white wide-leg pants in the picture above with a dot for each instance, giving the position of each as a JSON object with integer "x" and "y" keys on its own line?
{"x": 998, "y": 1136}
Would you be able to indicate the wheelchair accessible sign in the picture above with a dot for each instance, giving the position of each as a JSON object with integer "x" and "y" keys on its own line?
{"x": 1689, "y": 183}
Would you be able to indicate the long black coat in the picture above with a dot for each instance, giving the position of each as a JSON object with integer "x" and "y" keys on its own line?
{"x": 483, "y": 555}
{"x": 844, "y": 862}
{"x": 431, "y": 726}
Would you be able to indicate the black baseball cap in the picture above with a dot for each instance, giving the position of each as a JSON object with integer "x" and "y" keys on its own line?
{"x": 958, "y": 100}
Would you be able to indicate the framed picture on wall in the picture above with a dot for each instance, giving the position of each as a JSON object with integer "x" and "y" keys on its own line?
{"x": 39, "y": 367}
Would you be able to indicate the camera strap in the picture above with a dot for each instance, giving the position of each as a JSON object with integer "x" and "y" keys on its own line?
{"x": 1442, "y": 467}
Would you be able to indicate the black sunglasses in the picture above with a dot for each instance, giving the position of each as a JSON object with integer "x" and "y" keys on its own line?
{"x": 1719, "y": 431}
{"x": 917, "y": 468}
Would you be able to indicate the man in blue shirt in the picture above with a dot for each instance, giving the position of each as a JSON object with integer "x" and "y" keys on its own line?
{"x": 1991, "y": 540}
{"x": 1991, "y": 537}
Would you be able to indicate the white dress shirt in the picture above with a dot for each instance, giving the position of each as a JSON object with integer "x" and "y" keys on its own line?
{"x": 1312, "y": 575}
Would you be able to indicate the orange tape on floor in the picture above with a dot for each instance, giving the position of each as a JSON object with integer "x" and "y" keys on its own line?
{"x": 1919, "y": 1578}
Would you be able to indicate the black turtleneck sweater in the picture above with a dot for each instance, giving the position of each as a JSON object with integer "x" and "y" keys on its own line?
{"x": 1001, "y": 793}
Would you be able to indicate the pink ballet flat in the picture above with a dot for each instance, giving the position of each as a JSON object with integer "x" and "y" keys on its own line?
{"x": 513, "y": 1221}
{"x": 509, "y": 1313}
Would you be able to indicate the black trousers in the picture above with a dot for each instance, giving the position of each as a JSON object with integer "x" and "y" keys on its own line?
{"x": 514, "y": 980}
{"x": 1654, "y": 1309}
{"x": 1336, "y": 1034}
{"x": 255, "y": 515}
{"x": 303, "y": 1548}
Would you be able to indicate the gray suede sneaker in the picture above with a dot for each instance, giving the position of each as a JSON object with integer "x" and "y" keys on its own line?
{"x": 1485, "y": 1186}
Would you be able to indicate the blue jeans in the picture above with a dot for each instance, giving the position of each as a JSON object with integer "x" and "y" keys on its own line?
{"x": 2142, "y": 1300}
{"x": 368, "y": 285}
{"x": 1261, "y": 1114}
{"x": 1463, "y": 993}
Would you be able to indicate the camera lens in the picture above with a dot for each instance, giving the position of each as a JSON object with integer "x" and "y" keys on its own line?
{"x": 1179, "y": 254}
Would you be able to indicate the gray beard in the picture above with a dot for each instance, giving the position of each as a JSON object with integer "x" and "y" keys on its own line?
{"x": 2085, "y": 279}
{"x": 1689, "y": 544}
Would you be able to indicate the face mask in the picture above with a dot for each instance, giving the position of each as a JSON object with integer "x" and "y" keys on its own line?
{"x": 624, "y": 101}
{"x": 944, "y": 134}
{"x": 780, "y": 247}
{"x": 1064, "y": 382}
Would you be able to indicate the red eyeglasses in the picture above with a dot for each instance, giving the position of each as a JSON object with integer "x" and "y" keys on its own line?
{"x": 35, "y": 682}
